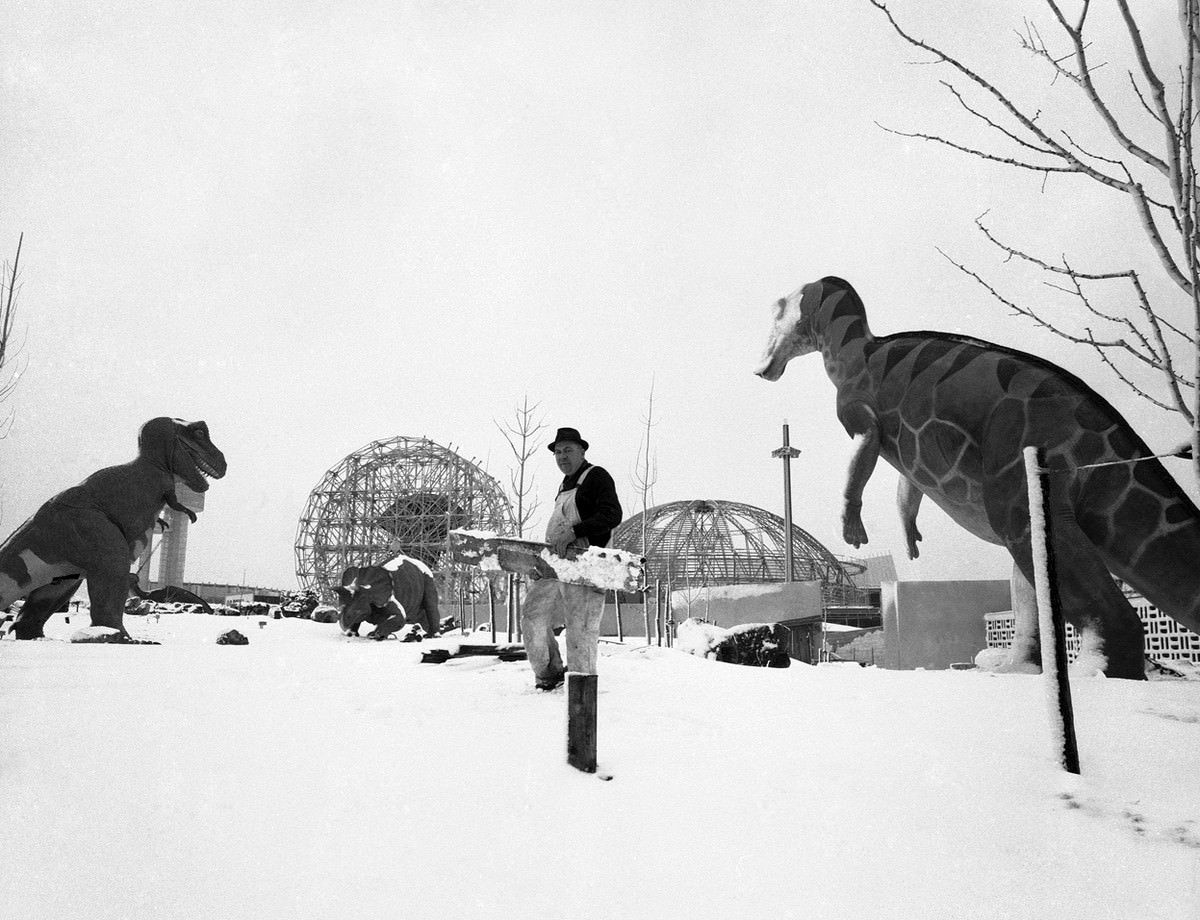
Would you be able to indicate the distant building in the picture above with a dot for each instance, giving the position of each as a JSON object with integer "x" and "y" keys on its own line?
{"x": 171, "y": 547}
{"x": 694, "y": 544}
{"x": 935, "y": 624}
{"x": 223, "y": 593}
{"x": 867, "y": 613}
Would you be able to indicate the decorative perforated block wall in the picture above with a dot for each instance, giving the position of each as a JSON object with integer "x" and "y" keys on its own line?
{"x": 1165, "y": 638}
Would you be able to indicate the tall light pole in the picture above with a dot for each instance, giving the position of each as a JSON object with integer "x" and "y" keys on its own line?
{"x": 786, "y": 453}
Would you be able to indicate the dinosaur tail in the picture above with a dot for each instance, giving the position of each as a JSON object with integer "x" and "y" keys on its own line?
{"x": 1147, "y": 530}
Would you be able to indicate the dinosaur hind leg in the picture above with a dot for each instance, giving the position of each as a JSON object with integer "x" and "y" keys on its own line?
{"x": 1026, "y": 649}
{"x": 39, "y": 605}
{"x": 107, "y": 593}
{"x": 1111, "y": 633}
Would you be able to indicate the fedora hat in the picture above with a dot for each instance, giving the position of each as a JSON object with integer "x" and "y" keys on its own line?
{"x": 569, "y": 434}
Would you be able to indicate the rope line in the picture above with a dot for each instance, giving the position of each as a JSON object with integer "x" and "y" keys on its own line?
{"x": 1178, "y": 454}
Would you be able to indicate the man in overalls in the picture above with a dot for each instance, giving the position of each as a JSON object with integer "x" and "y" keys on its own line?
{"x": 586, "y": 510}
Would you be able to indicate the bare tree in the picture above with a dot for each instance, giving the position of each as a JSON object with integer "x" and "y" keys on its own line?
{"x": 9, "y": 349}
{"x": 645, "y": 466}
{"x": 1158, "y": 332}
{"x": 521, "y": 434}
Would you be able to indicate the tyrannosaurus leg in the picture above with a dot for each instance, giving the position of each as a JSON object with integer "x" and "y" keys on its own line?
{"x": 107, "y": 591}
{"x": 40, "y": 604}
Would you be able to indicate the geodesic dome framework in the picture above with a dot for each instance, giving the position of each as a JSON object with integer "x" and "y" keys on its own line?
{"x": 704, "y": 542}
{"x": 400, "y": 495}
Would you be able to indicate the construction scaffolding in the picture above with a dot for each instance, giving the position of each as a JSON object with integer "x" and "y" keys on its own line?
{"x": 400, "y": 495}
{"x": 691, "y": 544}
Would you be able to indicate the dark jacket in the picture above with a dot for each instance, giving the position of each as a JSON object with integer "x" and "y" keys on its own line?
{"x": 596, "y": 498}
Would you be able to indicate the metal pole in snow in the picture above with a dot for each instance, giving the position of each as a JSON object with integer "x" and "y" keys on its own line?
{"x": 1052, "y": 630}
{"x": 787, "y": 452}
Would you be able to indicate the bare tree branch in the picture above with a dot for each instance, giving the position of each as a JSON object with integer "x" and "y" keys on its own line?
{"x": 521, "y": 434}
{"x": 9, "y": 286}
{"x": 1160, "y": 180}
{"x": 645, "y": 469}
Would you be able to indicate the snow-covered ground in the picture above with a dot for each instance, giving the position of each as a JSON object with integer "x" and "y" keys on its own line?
{"x": 309, "y": 775}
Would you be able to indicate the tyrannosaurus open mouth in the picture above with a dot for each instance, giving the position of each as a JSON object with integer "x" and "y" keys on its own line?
{"x": 201, "y": 459}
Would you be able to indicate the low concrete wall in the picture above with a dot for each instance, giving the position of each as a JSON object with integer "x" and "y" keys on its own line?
{"x": 734, "y": 605}
{"x": 933, "y": 624}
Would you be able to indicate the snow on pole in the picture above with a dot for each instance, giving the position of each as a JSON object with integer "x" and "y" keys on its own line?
{"x": 1052, "y": 631}
{"x": 491, "y": 590}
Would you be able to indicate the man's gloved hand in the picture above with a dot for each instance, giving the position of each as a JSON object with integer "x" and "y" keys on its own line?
{"x": 560, "y": 536}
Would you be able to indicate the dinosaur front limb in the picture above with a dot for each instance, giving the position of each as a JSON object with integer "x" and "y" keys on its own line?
{"x": 908, "y": 498}
{"x": 862, "y": 465}
{"x": 173, "y": 502}
{"x": 853, "y": 531}
{"x": 395, "y": 620}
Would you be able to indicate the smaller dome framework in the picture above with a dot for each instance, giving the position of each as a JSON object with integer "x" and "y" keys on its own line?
{"x": 711, "y": 542}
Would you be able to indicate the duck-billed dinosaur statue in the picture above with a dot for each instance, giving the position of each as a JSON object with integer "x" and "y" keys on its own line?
{"x": 96, "y": 530}
{"x": 952, "y": 415}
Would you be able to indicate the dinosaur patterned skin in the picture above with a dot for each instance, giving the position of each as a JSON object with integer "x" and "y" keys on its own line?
{"x": 953, "y": 414}
{"x": 388, "y": 596}
{"x": 96, "y": 530}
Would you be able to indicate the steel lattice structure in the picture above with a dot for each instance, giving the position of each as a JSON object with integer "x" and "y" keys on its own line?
{"x": 400, "y": 495}
{"x": 704, "y": 542}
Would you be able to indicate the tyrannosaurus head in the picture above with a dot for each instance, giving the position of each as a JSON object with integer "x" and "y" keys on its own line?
{"x": 797, "y": 320}
{"x": 183, "y": 449}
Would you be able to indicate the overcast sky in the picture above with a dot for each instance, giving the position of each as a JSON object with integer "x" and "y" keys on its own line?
{"x": 316, "y": 225}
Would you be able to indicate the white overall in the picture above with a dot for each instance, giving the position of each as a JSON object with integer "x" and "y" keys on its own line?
{"x": 567, "y": 513}
{"x": 551, "y": 603}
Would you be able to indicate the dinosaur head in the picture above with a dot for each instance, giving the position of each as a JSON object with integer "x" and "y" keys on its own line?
{"x": 797, "y": 321}
{"x": 183, "y": 449}
{"x": 791, "y": 330}
{"x": 360, "y": 591}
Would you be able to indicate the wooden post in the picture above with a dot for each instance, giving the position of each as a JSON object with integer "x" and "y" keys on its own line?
{"x": 667, "y": 618}
{"x": 1051, "y": 628}
{"x": 515, "y": 600}
{"x": 646, "y": 608}
{"x": 581, "y": 721}
{"x": 508, "y": 607}
{"x": 491, "y": 590}
{"x": 617, "y": 605}
{"x": 660, "y": 620}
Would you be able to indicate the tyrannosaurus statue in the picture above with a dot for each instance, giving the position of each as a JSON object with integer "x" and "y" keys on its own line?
{"x": 95, "y": 530}
{"x": 953, "y": 414}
